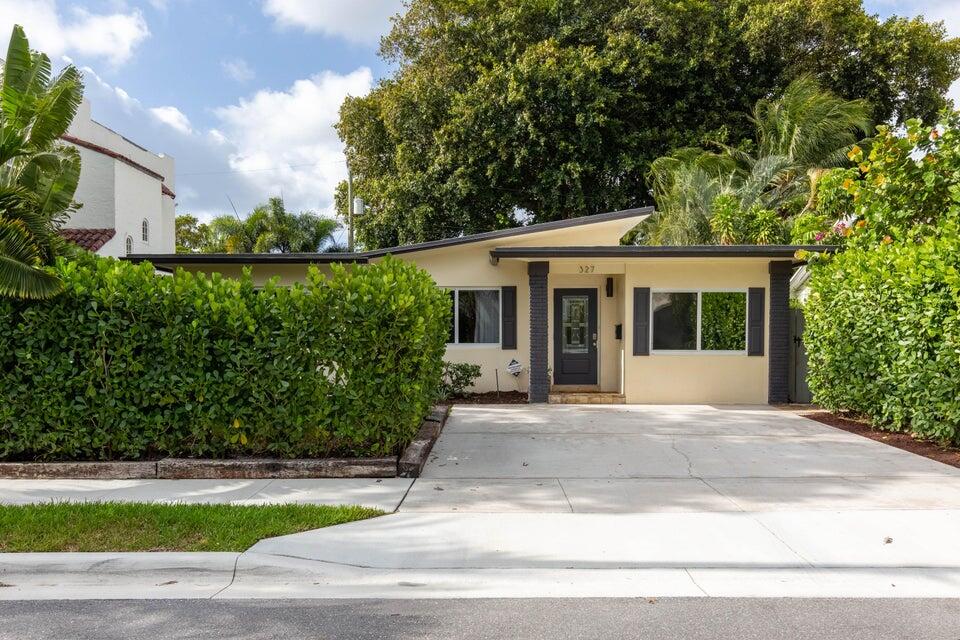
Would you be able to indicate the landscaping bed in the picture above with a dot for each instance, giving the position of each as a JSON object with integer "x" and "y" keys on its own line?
{"x": 927, "y": 449}
{"x": 491, "y": 397}
{"x": 115, "y": 527}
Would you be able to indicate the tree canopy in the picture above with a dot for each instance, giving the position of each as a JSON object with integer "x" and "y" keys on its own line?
{"x": 269, "y": 228}
{"x": 548, "y": 109}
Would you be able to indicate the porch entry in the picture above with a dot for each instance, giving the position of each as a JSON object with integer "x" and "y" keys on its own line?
{"x": 575, "y": 336}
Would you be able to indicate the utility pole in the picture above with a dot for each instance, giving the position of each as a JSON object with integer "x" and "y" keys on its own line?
{"x": 349, "y": 209}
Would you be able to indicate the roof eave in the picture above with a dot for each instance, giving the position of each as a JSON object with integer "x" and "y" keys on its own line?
{"x": 636, "y": 251}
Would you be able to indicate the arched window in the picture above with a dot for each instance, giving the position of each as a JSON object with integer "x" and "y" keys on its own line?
{"x": 129, "y": 245}
{"x": 145, "y": 231}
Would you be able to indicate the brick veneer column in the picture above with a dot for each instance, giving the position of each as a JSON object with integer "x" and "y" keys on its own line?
{"x": 779, "y": 353}
{"x": 539, "y": 380}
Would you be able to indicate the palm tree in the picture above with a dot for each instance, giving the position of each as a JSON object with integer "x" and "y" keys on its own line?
{"x": 798, "y": 135}
{"x": 270, "y": 228}
{"x": 38, "y": 176}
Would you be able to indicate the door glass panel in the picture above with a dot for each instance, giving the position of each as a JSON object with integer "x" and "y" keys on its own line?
{"x": 574, "y": 324}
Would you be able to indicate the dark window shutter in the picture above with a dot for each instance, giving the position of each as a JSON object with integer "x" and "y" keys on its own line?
{"x": 641, "y": 321}
{"x": 755, "y": 321}
{"x": 508, "y": 317}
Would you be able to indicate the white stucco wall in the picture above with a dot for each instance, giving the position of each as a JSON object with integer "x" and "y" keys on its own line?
{"x": 116, "y": 195}
{"x": 95, "y": 191}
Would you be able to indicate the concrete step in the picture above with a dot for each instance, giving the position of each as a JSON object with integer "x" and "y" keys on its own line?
{"x": 586, "y": 397}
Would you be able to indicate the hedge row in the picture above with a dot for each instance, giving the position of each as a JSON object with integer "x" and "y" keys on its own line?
{"x": 883, "y": 335}
{"x": 127, "y": 364}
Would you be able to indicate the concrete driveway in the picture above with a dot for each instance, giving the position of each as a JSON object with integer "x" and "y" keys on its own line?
{"x": 651, "y": 501}
{"x": 642, "y": 459}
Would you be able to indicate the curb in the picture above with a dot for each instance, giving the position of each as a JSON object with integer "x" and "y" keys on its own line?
{"x": 415, "y": 456}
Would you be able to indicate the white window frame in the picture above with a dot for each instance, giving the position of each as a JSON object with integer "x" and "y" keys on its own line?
{"x": 128, "y": 245}
{"x": 145, "y": 231}
{"x": 456, "y": 318}
{"x": 699, "y": 351}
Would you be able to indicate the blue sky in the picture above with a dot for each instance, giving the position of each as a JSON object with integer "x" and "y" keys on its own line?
{"x": 243, "y": 93}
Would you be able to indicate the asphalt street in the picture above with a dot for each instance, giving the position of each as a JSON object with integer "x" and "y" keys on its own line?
{"x": 476, "y": 619}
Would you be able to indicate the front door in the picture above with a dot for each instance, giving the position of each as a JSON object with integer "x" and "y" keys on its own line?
{"x": 575, "y": 336}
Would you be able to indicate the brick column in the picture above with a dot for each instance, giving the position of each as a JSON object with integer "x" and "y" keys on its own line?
{"x": 779, "y": 352}
{"x": 539, "y": 380}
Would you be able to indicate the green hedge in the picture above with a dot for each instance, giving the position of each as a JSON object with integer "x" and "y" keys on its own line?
{"x": 883, "y": 317}
{"x": 883, "y": 336}
{"x": 127, "y": 364}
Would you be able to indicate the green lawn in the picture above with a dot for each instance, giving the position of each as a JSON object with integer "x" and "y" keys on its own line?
{"x": 115, "y": 526}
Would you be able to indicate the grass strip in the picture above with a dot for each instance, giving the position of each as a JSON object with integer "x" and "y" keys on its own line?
{"x": 133, "y": 526}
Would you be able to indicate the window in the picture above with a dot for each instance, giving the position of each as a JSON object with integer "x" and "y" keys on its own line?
{"x": 145, "y": 231}
{"x": 476, "y": 316}
{"x": 128, "y": 245}
{"x": 699, "y": 321}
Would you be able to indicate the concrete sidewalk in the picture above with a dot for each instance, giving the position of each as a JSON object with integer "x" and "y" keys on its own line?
{"x": 384, "y": 494}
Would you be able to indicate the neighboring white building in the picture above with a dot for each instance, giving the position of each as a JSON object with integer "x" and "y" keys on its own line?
{"x": 127, "y": 193}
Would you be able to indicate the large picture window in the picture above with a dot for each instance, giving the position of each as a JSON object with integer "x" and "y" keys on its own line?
{"x": 699, "y": 321}
{"x": 476, "y": 316}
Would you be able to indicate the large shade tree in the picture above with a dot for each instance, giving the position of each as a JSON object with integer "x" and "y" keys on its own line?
{"x": 502, "y": 110}
{"x": 38, "y": 175}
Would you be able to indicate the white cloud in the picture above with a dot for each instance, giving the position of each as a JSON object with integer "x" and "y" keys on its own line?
{"x": 172, "y": 117}
{"x": 284, "y": 141}
{"x": 238, "y": 69}
{"x": 109, "y": 36}
{"x": 362, "y": 21}
{"x": 125, "y": 100}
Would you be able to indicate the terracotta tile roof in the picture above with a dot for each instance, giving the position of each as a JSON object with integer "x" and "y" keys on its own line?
{"x": 89, "y": 239}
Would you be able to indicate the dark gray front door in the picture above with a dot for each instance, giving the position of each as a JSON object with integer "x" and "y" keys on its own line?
{"x": 575, "y": 336}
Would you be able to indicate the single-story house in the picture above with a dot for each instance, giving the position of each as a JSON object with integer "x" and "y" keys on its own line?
{"x": 580, "y": 312}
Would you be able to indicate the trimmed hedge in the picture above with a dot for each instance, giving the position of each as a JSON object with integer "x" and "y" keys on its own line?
{"x": 883, "y": 335}
{"x": 127, "y": 364}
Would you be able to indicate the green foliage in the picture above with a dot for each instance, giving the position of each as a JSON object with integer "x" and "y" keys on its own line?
{"x": 269, "y": 228}
{"x": 126, "y": 364}
{"x": 192, "y": 235}
{"x": 742, "y": 195}
{"x": 723, "y": 321}
{"x": 883, "y": 316}
{"x": 556, "y": 109}
{"x": 457, "y": 378}
{"x": 38, "y": 176}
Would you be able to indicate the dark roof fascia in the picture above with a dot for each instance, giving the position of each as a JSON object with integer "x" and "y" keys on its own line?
{"x": 512, "y": 232}
{"x": 244, "y": 258}
{"x": 635, "y": 251}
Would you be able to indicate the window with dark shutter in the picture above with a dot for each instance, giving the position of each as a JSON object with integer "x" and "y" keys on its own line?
{"x": 641, "y": 321}
{"x": 508, "y": 317}
{"x": 755, "y": 321}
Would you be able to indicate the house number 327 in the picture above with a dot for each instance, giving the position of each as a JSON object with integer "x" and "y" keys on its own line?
{"x": 587, "y": 268}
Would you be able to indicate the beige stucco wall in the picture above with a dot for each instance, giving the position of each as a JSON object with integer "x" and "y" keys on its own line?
{"x": 469, "y": 266}
{"x": 695, "y": 377}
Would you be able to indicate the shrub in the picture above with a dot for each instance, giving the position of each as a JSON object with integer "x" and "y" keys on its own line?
{"x": 883, "y": 317}
{"x": 457, "y": 378}
{"x": 126, "y": 364}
